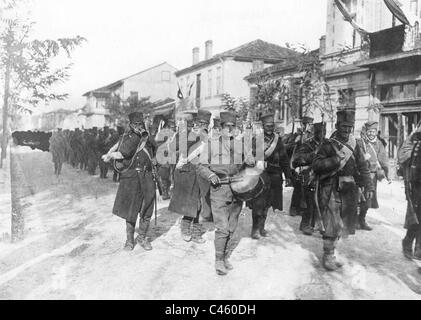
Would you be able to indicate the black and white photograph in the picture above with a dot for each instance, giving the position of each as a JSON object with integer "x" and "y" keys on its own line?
{"x": 200, "y": 150}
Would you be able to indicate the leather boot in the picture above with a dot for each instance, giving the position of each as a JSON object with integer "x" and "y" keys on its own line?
{"x": 186, "y": 233}
{"x": 220, "y": 268}
{"x": 262, "y": 230}
{"x": 363, "y": 225}
{"x": 197, "y": 234}
{"x": 307, "y": 230}
{"x": 130, "y": 228}
{"x": 228, "y": 252}
{"x": 144, "y": 242}
{"x": 407, "y": 243}
{"x": 329, "y": 260}
{"x": 255, "y": 234}
{"x": 221, "y": 242}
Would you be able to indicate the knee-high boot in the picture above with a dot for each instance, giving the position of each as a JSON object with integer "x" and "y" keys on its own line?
{"x": 221, "y": 241}
{"x": 130, "y": 228}
{"x": 329, "y": 260}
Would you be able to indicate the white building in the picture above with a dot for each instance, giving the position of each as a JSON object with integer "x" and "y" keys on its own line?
{"x": 158, "y": 83}
{"x": 206, "y": 81}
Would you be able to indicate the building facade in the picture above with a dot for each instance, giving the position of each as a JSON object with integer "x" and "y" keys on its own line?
{"x": 158, "y": 83}
{"x": 204, "y": 83}
{"x": 378, "y": 71}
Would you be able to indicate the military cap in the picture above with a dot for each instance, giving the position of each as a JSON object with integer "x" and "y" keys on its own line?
{"x": 216, "y": 122}
{"x": 372, "y": 125}
{"x": 228, "y": 117}
{"x": 346, "y": 117}
{"x": 267, "y": 118}
{"x": 136, "y": 117}
{"x": 204, "y": 115}
{"x": 307, "y": 120}
{"x": 319, "y": 127}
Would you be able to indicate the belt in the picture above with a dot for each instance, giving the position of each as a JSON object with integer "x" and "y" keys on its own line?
{"x": 224, "y": 176}
{"x": 143, "y": 169}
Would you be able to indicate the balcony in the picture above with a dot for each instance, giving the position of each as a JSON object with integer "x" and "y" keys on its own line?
{"x": 397, "y": 43}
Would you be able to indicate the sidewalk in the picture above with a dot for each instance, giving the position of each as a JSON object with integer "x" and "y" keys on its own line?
{"x": 5, "y": 200}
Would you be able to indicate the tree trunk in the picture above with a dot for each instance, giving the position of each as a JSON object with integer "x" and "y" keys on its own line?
{"x": 5, "y": 114}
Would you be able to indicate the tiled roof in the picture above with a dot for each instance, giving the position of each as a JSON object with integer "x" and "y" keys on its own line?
{"x": 118, "y": 83}
{"x": 284, "y": 66}
{"x": 255, "y": 50}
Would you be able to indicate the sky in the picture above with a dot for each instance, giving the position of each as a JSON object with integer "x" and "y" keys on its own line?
{"x": 127, "y": 36}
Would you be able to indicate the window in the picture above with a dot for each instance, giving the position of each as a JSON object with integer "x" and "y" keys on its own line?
{"x": 218, "y": 80}
{"x": 209, "y": 83}
{"x": 166, "y": 76}
{"x": 134, "y": 95}
{"x": 419, "y": 90}
{"x": 409, "y": 91}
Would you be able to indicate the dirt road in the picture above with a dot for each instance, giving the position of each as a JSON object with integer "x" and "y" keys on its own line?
{"x": 73, "y": 250}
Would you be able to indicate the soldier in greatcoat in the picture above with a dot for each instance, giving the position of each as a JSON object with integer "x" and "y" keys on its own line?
{"x": 409, "y": 159}
{"x": 191, "y": 191}
{"x": 58, "y": 150}
{"x": 302, "y": 162}
{"x": 226, "y": 208}
{"x": 378, "y": 161}
{"x": 341, "y": 170}
{"x": 136, "y": 193}
{"x": 276, "y": 164}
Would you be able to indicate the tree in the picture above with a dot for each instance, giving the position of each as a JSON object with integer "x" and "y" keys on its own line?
{"x": 302, "y": 89}
{"x": 28, "y": 65}
{"x": 119, "y": 109}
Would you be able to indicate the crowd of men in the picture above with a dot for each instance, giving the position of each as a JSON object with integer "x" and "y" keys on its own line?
{"x": 334, "y": 179}
{"x": 82, "y": 149}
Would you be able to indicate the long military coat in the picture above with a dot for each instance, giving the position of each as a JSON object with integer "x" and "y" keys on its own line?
{"x": 191, "y": 193}
{"x": 136, "y": 192}
{"x": 338, "y": 202}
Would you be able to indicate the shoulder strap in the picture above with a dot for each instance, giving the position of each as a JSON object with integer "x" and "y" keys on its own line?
{"x": 272, "y": 147}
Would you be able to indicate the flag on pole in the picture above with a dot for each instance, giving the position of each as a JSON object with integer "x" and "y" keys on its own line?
{"x": 180, "y": 93}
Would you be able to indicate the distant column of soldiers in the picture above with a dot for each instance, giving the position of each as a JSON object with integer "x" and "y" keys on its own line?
{"x": 83, "y": 149}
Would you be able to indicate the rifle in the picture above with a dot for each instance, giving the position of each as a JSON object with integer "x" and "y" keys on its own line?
{"x": 157, "y": 186}
{"x": 319, "y": 218}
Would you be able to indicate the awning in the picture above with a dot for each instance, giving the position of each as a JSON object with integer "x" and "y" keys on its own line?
{"x": 165, "y": 109}
{"x": 348, "y": 17}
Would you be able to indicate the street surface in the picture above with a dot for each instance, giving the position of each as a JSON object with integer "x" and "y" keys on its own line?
{"x": 73, "y": 250}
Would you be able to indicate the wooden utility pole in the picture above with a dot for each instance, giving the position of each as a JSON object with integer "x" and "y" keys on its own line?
{"x": 5, "y": 113}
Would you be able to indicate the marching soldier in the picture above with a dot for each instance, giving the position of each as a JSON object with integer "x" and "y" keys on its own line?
{"x": 277, "y": 163}
{"x": 136, "y": 193}
{"x": 302, "y": 161}
{"x": 226, "y": 208}
{"x": 378, "y": 161}
{"x": 103, "y": 145}
{"x": 409, "y": 158}
{"x": 191, "y": 191}
{"x": 341, "y": 169}
{"x": 292, "y": 142}
{"x": 58, "y": 150}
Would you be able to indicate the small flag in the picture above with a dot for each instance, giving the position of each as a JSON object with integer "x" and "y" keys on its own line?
{"x": 191, "y": 86}
{"x": 180, "y": 93}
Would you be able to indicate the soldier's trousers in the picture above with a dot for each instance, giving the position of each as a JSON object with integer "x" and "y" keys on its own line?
{"x": 226, "y": 211}
{"x": 339, "y": 209}
{"x": 164, "y": 173}
{"x": 308, "y": 212}
{"x": 103, "y": 168}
